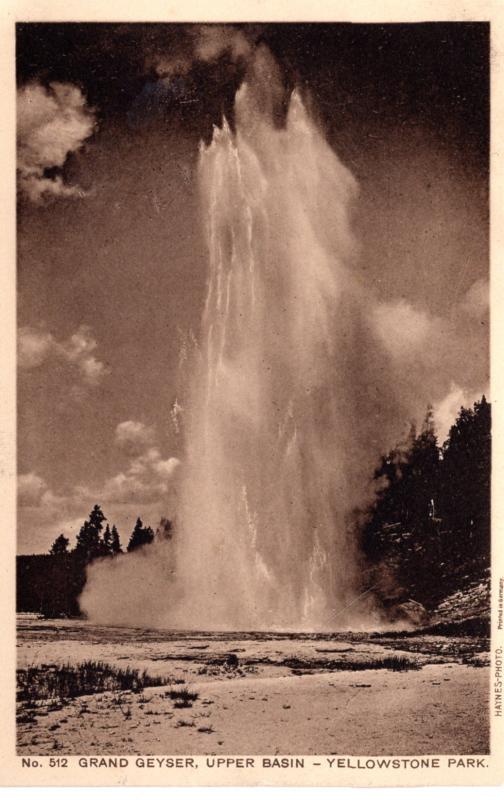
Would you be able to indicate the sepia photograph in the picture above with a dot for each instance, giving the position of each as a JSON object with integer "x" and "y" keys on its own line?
{"x": 253, "y": 393}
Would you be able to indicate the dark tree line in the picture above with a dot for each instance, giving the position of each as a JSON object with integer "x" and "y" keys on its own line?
{"x": 430, "y": 521}
{"x": 94, "y": 542}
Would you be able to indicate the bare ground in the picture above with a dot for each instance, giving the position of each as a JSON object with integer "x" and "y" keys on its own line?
{"x": 261, "y": 694}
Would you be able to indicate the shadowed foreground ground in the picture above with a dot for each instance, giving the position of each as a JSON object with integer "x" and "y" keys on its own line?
{"x": 261, "y": 693}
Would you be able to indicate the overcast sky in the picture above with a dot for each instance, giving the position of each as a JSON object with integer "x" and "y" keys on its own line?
{"x": 111, "y": 260}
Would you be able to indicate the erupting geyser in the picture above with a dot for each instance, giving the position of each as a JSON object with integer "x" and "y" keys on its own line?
{"x": 263, "y": 505}
{"x": 284, "y": 395}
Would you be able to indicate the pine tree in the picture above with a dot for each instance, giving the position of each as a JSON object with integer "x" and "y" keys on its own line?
{"x": 115, "y": 541}
{"x": 97, "y": 518}
{"x": 107, "y": 540}
{"x": 60, "y": 545}
{"x": 140, "y": 536}
{"x": 89, "y": 543}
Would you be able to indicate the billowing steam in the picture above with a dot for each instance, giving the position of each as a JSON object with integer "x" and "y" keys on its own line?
{"x": 290, "y": 398}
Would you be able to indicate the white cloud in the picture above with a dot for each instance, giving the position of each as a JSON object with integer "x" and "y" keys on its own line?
{"x": 78, "y": 345}
{"x": 403, "y": 329}
{"x": 36, "y": 346}
{"x": 148, "y": 478}
{"x": 92, "y": 370}
{"x": 78, "y": 350}
{"x": 33, "y": 492}
{"x": 134, "y": 436}
{"x": 51, "y": 123}
{"x": 31, "y": 489}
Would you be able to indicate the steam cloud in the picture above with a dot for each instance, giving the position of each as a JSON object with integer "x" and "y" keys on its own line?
{"x": 213, "y": 40}
{"x": 292, "y": 395}
{"x": 447, "y": 409}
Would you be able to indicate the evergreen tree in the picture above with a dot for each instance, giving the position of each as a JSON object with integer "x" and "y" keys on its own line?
{"x": 140, "y": 536}
{"x": 107, "y": 541}
{"x": 89, "y": 543}
{"x": 97, "y": 518}
{"x": 115, "y": 541}
{"x": 60, "y": 545}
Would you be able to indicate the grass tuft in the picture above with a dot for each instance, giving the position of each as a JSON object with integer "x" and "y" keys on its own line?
{"x": 91, "y": 677}
{"x": 183, "y": 698}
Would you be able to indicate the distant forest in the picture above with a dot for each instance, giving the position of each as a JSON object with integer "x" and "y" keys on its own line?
{"x": 426, "y": 533}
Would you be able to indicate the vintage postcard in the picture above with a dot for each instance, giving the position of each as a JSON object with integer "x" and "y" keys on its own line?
{"x": 252, "y": 451}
